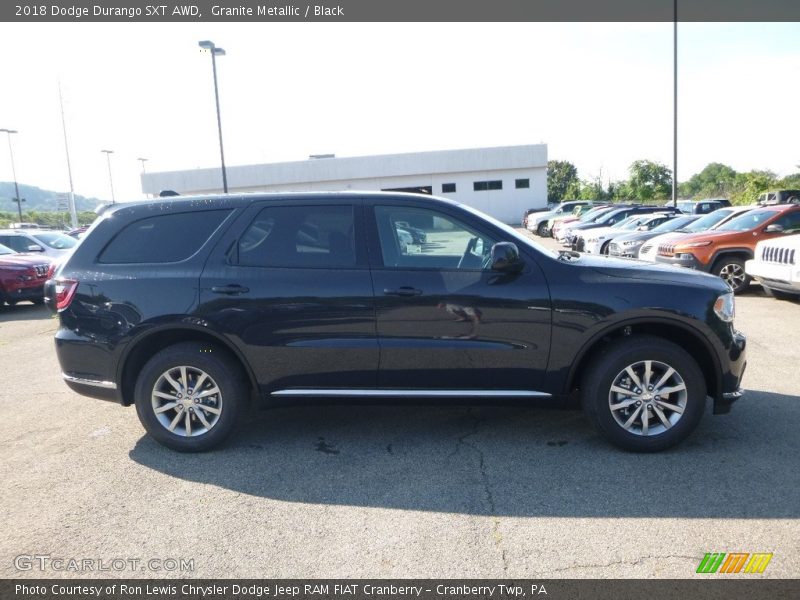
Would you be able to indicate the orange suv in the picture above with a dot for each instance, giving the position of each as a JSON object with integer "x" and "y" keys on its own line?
{"x": 724, "y": 250}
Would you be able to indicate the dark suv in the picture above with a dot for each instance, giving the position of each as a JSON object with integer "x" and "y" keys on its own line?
{"x": 189, "y": 307}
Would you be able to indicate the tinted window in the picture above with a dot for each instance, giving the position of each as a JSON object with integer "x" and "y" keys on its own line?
{"x": 300, "y": 236}
{"x": 16, "y": 242}
{"x": 163, "y": 238}
{"x": 448, "y": 188}
{"x": 790, "y": 222}
{"x": 449, "y": 243}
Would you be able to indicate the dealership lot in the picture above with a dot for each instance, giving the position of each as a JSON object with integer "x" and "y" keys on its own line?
{"x": 397, "y": 491}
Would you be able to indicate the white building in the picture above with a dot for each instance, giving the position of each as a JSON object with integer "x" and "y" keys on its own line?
{"x": 502, "y": 182}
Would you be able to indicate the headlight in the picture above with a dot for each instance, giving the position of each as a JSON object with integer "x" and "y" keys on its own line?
{"x": 724, "y": 307}
{"x": 697, "y": 244}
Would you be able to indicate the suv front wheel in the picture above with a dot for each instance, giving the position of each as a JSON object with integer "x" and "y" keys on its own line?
{"x": 732, "y": 272}
{"x": 644, "y": 393}
{"x": 189, "y": 396}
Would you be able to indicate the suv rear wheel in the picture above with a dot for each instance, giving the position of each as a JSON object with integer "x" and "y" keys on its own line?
{"x": 644, "y": 393}
{"x": 542, "y": 230}
{"x": 189, "y": 396}
{"x": 731, "y": 270}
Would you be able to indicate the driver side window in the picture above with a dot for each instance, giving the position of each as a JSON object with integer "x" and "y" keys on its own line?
{"x": 422, "y": 238}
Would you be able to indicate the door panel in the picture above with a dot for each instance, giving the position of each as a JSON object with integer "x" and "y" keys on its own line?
{"x": 303, "y": 312}
{"x": 445, "y": 327}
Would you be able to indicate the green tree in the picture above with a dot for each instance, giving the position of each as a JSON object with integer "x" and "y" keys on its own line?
{"x": 715, "y": 180}
{"x": 749, "y": 185}
{"x": 562, "y": 179}
{"x": 649, "y": 181}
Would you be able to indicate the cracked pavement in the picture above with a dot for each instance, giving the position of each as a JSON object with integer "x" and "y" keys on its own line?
{"x": 400, "y": 491}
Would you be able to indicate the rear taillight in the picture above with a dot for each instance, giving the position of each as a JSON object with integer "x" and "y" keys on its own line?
{"x": 65, "y": 290}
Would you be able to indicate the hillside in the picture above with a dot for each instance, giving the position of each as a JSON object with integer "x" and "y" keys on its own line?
{"x": 38, "y": 199}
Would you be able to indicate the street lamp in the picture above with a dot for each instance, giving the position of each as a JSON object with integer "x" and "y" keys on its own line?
{"x": 143, "y": 160}
{"x": 215, "y": 51}
{"x": 108, "y": 154}
{"x": 16, "y": 199}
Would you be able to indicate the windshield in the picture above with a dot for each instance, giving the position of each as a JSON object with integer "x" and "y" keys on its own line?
{"x": 630, "y": 223}
{"x": 6, "y": 250}
{"x": 57, "y": 241}
{"x": 709, "y": 220}
{"x": 673, "y": 224}
{"x": 594, "y": 214}
{"x": 747, "y": 221}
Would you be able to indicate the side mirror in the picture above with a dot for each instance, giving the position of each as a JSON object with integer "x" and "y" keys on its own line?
{"x": 35, "y": 248}
{"x": 773, "y": 228}
{"x": 505, "y": 257}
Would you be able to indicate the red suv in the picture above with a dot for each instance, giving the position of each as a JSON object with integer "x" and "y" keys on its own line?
{"x": 723, "y": 251}
{"x": 22, "y": 276}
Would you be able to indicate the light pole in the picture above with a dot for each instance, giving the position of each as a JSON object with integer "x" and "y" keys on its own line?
{"x": 143, "y": 160}
{"x": 108, "y": 154}
{"x": 215, "y": 51}
{"x": 16, "y": 199}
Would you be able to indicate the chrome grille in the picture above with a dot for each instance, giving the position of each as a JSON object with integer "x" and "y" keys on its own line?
{"x": 41, "y": 270}
{"x": 613, "y": 248}
{"x": 645, "y": 249}
{"x": 666, "y": 249}
{"x": 773, "y": 254}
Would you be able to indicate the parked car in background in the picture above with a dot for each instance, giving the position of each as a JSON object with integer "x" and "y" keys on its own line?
{"x": 577, "y": 213}
{"x": 627, "y": 245}
{"x": 537, "y": 222}
{"x": 779, "y": 197}
{"x": 22, "y": 276}
{"x": 649, "y": 250}
{"x": 611, "y": 218}
{"x": 561, "y": 229}
{"x": 596, "y": 241}
{"x": 701, "y": 207}
{"x": 723, "y": 251}
{"x": 24, "y": 226}
{"x": 50, "y": 243}
{"x": 776, "y": 266}
{"x": 226, "y": 299}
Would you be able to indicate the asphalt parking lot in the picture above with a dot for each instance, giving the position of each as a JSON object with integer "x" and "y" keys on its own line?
{"x": 397, "y": 491}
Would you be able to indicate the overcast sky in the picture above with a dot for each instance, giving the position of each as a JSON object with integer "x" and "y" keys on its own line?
{"x": 599, "y": 95}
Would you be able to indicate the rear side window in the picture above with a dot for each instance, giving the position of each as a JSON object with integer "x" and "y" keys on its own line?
{"x": 163, "y": 238}
{"x": 300, "y": 236}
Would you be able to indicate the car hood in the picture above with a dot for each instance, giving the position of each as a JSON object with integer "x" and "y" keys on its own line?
{"x": 22, "y": 260}
{"x": 639, "y": 236}
{"x": 712, "y": 236}
{"x": 596, "y": 231}
{"x": 634, "y": 269}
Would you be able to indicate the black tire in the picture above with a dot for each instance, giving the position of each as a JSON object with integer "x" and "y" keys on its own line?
{"x": 606, "y": 370}
{"x": 542, "y": 230}
{"x": 604, "y": 249}
{"x": 731, "y": 270}
{"x": 778, "y": 294}
{"x": 221, "y": 370}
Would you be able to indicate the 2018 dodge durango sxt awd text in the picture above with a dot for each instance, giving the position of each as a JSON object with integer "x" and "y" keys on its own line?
{"x": 188, "y": 307}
